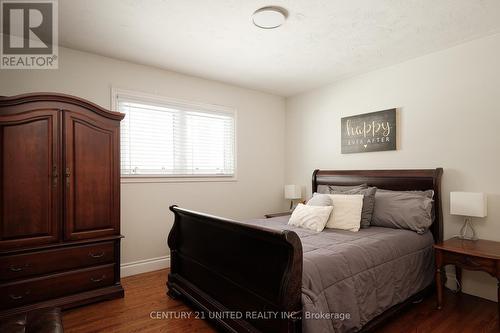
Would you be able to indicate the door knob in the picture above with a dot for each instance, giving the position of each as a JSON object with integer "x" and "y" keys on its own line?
{"x": 67, "y": 174}
{"x": 55, "y": 175}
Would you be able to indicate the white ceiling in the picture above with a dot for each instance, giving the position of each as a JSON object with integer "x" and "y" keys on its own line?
{"x": 322, "y": 40}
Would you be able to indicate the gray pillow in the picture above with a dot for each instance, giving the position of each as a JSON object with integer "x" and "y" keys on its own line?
{"x": 403, "y": 210}
{"x": 368, "y": 203}
{"x": 320, "y": 200}
{"x": 428, "y": 193}
{"x": 329, "y": 189}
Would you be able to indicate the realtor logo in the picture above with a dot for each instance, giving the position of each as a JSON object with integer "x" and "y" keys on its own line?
{"x": 29, "y": 34}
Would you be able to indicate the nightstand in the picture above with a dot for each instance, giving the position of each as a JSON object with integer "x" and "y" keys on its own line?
{"x": 478, "y": 255}
{"x": 268, "y": 216}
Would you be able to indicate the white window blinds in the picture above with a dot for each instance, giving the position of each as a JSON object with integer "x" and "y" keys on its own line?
{"x": 175, "y": 139}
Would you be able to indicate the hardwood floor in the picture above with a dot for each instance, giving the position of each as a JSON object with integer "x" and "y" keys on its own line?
{"x": 461, "y": 313}
{"x": 145, "y": 293}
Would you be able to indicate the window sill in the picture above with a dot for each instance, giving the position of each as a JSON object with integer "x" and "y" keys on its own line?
{"x": 173, "y": 179}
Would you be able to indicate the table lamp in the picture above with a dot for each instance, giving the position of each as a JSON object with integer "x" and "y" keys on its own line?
{"x": 293, "y": 192}
{"x": 468, "y": 204}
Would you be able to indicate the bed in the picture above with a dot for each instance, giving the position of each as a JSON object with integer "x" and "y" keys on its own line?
{"x": 265, "y": 276}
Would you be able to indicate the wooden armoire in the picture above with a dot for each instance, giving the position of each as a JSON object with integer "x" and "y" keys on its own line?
{"x": 60, "y": 202}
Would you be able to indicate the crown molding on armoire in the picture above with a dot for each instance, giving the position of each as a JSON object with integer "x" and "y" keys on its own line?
{"x": 59, "y": 98}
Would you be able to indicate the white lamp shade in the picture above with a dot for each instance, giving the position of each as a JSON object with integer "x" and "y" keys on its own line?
{"x": 293, "y": 192}
{"x": 468, "y": 204}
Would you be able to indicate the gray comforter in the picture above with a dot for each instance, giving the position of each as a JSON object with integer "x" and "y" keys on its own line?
{"x": 351, "y": 277}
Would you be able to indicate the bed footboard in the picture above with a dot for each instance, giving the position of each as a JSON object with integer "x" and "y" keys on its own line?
{"x": 246, "y": 278}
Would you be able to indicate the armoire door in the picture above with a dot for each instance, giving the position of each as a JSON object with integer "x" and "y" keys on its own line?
{"x": 29, "y": 181}
{"x": 92, "y": 179}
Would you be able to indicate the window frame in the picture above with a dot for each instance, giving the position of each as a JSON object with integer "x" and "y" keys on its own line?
{"x": 158, "y": 99}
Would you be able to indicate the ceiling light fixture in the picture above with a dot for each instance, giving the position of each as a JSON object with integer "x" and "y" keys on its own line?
{"x": 269, "y": 17}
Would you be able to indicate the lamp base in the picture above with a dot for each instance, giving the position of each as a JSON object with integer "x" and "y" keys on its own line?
{"x": 464, "y": 231}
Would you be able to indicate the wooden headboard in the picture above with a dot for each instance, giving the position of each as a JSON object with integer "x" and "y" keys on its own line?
{"x": 398, "y": 180}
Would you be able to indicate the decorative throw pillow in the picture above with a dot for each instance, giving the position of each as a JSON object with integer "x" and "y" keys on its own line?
{"x": 346, "y": 213}
{"x": 328, "y": 189}
{"x": 403, "y": 210}
{"x": 368, "y": 203}
{"x": 310, "y": 217}
{"x": 320, "y": 200}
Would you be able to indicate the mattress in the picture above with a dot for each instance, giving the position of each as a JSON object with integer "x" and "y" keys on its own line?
{"x": 350, "y": 278}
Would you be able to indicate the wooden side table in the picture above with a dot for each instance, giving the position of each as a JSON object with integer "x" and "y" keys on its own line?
{"x": 479, "y": 255}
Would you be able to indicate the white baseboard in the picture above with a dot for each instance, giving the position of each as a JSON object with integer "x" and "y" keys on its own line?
{"x": 143, "y": 266}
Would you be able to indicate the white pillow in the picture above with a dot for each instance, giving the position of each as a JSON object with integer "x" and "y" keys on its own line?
{"x": 346, "y": 213}
{"x": 310, "y": 217}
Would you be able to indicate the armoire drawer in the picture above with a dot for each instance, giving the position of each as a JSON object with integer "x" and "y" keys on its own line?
{"x": 22, "y": 292}
{"x": 55, "y": 260}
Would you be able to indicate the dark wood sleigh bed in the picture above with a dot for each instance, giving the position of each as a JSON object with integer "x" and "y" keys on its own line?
{"x": 225, "y": 268}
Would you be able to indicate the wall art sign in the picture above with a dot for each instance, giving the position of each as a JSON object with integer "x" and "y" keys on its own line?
{"x": 375, "y": 131}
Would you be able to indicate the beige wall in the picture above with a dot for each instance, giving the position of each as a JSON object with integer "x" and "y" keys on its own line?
{"x": 145, "y": 217}
{"x": 449, "y": 106}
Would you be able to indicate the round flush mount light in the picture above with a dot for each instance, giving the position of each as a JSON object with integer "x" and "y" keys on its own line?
{"x": 269, "y": 17}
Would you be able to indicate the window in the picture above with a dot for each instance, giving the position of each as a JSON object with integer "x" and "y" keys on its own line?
{"x": 161, "y": 137}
